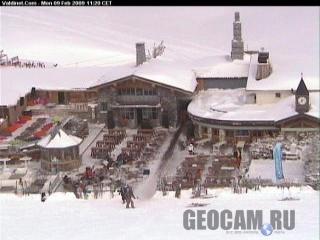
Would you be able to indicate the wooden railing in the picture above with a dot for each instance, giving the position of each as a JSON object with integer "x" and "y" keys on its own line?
{"x": 143, "y": 100}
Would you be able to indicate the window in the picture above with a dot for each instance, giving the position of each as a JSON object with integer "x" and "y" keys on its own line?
{"x": 229, "y": 133}
{"x": 149, "y": 113}
{"x": 215, "y": 131}
{"x": 205, "y": 130}
{"x": 154, "y": 113}
{"x": 104, "y": 106}
{"x": 242, "y": 133}
{"x": 154, "y": 91}
{"x": 126, "y": 91}
{"x": 139, "y": 92}
{"x": 127, "y": 113}
{"x": 278, "y": 95}
{"x": 146, "y": 92}
{"x": 150, "y": 92}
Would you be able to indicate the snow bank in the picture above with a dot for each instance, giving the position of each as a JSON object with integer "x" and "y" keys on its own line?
{"x": 63, "y": 217}
{"x": 226, "y": 69}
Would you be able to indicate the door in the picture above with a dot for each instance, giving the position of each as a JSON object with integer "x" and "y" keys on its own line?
{"x": 61, "y": 98}
{"x": 110, "y": 120}
{"x": 139, "y": 116}
{"x": 165, "y": 119}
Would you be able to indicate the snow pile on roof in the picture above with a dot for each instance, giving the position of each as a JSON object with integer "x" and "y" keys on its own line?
{"x": 285, "y": 75}
{"x": 226, "y": 69}
{"x": 16, "y": 82}
{"x": 230, "y": 105}
{"x": 59, "y": 140}
{"x": 164, "y": 70}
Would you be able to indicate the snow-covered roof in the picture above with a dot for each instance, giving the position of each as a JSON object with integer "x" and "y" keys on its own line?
{"x": 59, "y": 140}
{"x": 16, "y": 82}
{"x": 163, "y": 70}
{"x": 230, "y": 105}
{"x": 226, "y": 69}
{"x": 285, "y": 75}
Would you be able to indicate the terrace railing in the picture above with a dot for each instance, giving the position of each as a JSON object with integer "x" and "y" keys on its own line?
{"x": 138, "y": 100}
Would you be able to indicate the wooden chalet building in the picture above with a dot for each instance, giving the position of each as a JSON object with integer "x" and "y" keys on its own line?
{"x": 134, "y": 101}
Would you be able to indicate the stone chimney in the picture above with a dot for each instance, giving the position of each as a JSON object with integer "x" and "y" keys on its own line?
{"x": 237, "y": 46}
{"x": 140, "y": 53}
{"x": 264, "y": 68}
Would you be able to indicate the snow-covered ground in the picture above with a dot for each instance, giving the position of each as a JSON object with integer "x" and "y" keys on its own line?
{"x": 293, "y": 170}
{"x": 64, "y": 217}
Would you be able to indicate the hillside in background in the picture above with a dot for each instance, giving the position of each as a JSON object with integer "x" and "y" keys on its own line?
{"x": 104, "y": 36}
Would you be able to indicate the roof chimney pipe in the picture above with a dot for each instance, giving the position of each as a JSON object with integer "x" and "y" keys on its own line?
{"x": 140, "y": 53}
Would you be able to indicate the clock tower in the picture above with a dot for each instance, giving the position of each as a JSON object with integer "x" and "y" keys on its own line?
{"x": 302, "y": 97}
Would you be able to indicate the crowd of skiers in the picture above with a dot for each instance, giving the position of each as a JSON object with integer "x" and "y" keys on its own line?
{"x": 91, "y": 183}
{"x": 241, "y": 184}
{"x": 29, "y": 64}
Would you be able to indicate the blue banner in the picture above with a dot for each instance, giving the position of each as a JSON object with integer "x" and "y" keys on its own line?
{"x": 277, "y": 156}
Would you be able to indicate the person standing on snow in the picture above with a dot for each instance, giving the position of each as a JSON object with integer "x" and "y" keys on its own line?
{"x": 191, "y": 149}
{"x": 122, "y": 192}
{"x": 129, "y": 195}
{"x": 178, "y": 191}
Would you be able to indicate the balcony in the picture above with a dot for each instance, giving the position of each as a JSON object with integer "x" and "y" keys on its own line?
{"x": 138, "y": 100}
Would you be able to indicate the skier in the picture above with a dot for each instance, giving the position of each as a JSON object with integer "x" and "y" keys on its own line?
{"x": 119, "y": 161}
{"x": 178, "y": 191}
{"x": 122, "y": 192}
{"x": 191, "y": 149}
{"x": 43, "y": 196}
{"x": 129, "y": 195}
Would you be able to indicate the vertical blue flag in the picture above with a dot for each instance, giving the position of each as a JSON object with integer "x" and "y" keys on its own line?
{"x": 277, "y": 156}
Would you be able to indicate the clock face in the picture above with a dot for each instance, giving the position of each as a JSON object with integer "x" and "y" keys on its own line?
{"x": 302, "y": 100}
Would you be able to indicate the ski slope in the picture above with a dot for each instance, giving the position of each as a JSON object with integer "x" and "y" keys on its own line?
{"x": 63, "y": 217}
